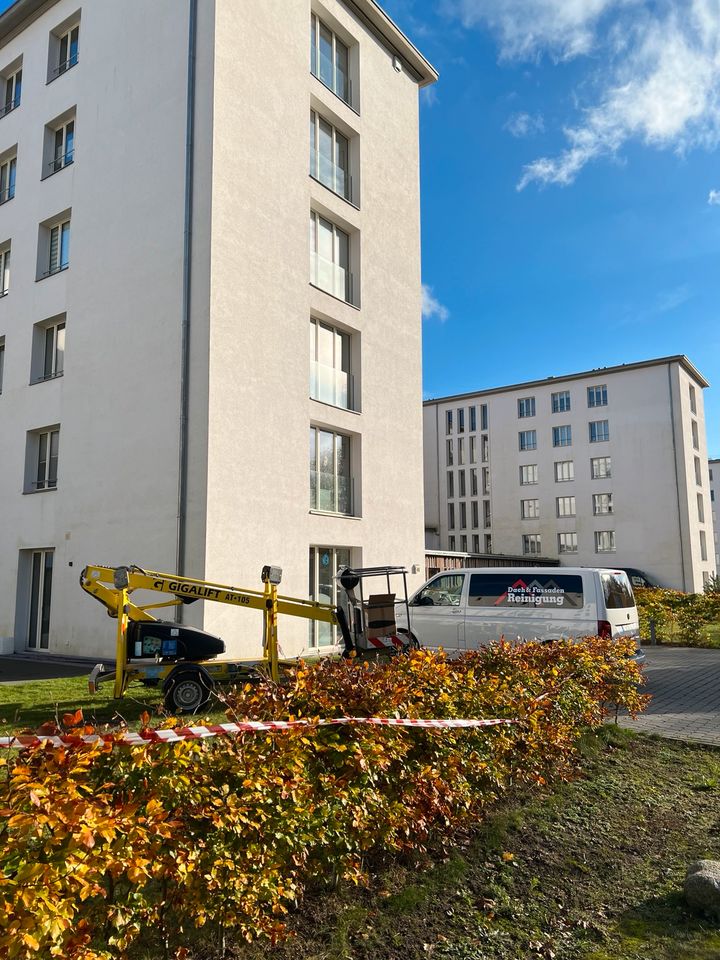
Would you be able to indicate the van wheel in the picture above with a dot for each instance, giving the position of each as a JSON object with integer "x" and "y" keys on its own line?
{"x": 188, "y": 692}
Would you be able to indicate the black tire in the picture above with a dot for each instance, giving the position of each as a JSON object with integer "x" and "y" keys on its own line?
{"x": 188, "y": 692}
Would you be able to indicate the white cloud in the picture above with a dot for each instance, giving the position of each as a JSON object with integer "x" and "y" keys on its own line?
{"x": 714, "y": 198}
{"x": 526, "y": 28}
{"x": 657, "y": 79}
{"x": 524, "y": 124}
{"x": 431, "y": 307}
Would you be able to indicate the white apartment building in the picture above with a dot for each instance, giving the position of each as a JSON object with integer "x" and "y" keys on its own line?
{"x": 714, "y": 470}
{"x": 602, "y": 468}
{"x": 210, "y": 303}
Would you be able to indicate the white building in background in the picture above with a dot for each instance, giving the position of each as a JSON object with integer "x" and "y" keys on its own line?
{"x": 210, "y": 304}
{"x": 714, "y": 467}
{"x": 602, "y": 468}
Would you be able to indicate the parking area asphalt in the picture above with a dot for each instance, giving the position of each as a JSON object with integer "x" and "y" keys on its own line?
{"x": 15, "y": 669}
{"x": 685, "y": 686}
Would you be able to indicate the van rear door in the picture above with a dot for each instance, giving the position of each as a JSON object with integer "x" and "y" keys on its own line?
{"x": 619, "y": 604}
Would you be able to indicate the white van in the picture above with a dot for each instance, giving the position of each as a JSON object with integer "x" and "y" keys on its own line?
{"x": 471, "y": 607}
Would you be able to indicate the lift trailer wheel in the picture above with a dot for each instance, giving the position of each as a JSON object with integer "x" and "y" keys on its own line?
{"x": 188, "y": 691}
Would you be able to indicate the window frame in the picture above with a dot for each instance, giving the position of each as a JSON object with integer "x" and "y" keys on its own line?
{"x": 316, "y": 23}
{"x": 526, "y": 407}
{"x": 605, "y": 437}
{"x": 342, "y": 349}
{"x": 562, "y": 435}
{"x": 597, "y": 504}
{"x": 562, "y": 546}
{"x": 558, "y": 472}
{"x": 592, "y": 393}
{"x": 561, "y": 503}
{"x": 522, "y": 444}
{"x": 599, "y": 534}
{"x": 530, "y": 508}
{"x": 13, "y": 90}
{"x": 5, "y": 259}
{"x": 557, "y": 405}
{"x": 316, "y": 157}
{"x": 8, "y": 175}
{"x": 317, "y": 220}
{"x": 601, "y": 476}
{"x": 534, "y": 541}
{"x": 317, "y": 473}
{"x": 532, "y": 467}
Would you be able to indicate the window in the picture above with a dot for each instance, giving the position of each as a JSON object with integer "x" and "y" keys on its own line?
{"x": 444, "y": 591}
{"x": 597, "y": 396}
{"x": 473, "y": 482}
{"x": 54, "y": 246}
{"x": 451, "y": 543}
{"x": 473, "y": 450}
{"x": 63, "y": 147}
{"x": 604, "y": 541}
{"x": 476, "y": 543}
{"x": 323, "y": 567}
{"x": 527, "y": 439}
{"x": 483, "y": 416}
{"x": 448, "y": 421}
{"x": 5, "y": 269}
{"x": 567, "y": 543}
{"x": 529, "y": 509}
{"x": 703, "y": 546}
{"x": 330, "y": 378}
{"x": 698, "y": 472}
{"x": 329, "y": 60}
{"x": 712, "y": 492}
{"x": 41, "y": 568}
{"x": 485, "y": 481}
{"x": 475, "y": 511}
{"x": 528, "y": 474}
{"x": 64, "y": 48}
{"x": 488, "y": 543}
{"x": 8, "y": 170}
{"x": 13, "y": 90}
{"x": 330, "y": 258}
{"x": 695, "y": 437}
{"x": 463, "y": 543}
{"x": 487, "y": 516}
{"x": 48, "y": 350}
{"x": 463, "y": 515}
{"x": 562, "y": 436}
{"x": 693, "y": 399}
{"x": 449, "y": 452}
{"x": 565, "y": 506}
{"x": 602, "y": 503}
{"x": 600, "y": 468}
{"x": 564, "y": 470}
{"x": 485, "y": 448}
{"x": 561, "y": 401}
{"x": 461, "y": 451}
{"x": 526, "y": 407}
{"x": 701, "y": 508}
{"x": 599, "y": 431}
{"x": 330, "y": 477}
{"x": 450, "y": 484}
{"x": 451, "y": 516}
{"x": 531, "y": 544}
{"x": 2, "y": 362}
{"x": 461, "y": 421}
{"x": 42, "y": 459}
{"x": 461, "y": 479}
{"x": 329, "y": 156}
{"x": 473, "y": 419}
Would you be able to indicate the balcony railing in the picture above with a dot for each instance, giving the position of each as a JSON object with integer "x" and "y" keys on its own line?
{"x": 7, "y": 194}
{"x": 329, "y": 385}
{"x": 57, "y": 268}
{"x": 331, "y": 175}
{"x": 61, "y": 161}
{"x": 64, "y": 66}
{"x": 331, "y": 277}
{"x": 9, "y": 106}
{"x": 330, "y": 493}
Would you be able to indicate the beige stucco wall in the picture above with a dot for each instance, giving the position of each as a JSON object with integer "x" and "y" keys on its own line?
{"x": 261, "y": 304}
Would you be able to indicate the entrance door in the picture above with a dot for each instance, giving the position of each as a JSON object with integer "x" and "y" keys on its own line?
{"x": 38, "y": 637}
{"x": 324, "y": 563}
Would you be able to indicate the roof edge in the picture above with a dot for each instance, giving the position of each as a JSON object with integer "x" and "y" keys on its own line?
{"x": 679, "y": 358}
{"x": 375, "y": 17}
{"x": 13, "y": 19}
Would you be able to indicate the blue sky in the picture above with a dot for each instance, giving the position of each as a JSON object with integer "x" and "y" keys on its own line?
{"x": 569, "y": 154}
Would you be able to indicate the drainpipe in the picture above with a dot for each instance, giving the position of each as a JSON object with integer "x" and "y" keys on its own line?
{"x": 186, "y": 292}
{"x": 677, "y": 477}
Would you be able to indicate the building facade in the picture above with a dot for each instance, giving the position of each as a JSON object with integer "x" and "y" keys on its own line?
{"x": 210, "y": 309}
{"x": 603, "y": 468}
{"x": 714, "y": 473}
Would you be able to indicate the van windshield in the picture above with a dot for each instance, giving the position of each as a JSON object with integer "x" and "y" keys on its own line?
{"x": 617, "y": 589}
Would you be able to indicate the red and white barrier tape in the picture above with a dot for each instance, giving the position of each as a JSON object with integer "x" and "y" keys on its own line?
{"x": 147, "y": 736}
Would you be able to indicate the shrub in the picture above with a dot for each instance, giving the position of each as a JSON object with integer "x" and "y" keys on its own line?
{"x": 679, "y": 617}
{"x": 103, "y": 845}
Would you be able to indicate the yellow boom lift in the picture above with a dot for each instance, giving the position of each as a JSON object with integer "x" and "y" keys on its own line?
{"x": 182, "y": 658}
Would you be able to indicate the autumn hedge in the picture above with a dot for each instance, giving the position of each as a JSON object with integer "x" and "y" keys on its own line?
{"x": 103, "y": 847}
{"x": 678, "y": 617}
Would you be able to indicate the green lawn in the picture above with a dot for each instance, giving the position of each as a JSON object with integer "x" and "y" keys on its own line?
{"x": 712, "y": 635}
{"x": 24, "y": 706}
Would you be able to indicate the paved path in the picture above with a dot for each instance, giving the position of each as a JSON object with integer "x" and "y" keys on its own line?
{"x": 685, "y": 685}
{"x": 15, "y": 669}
